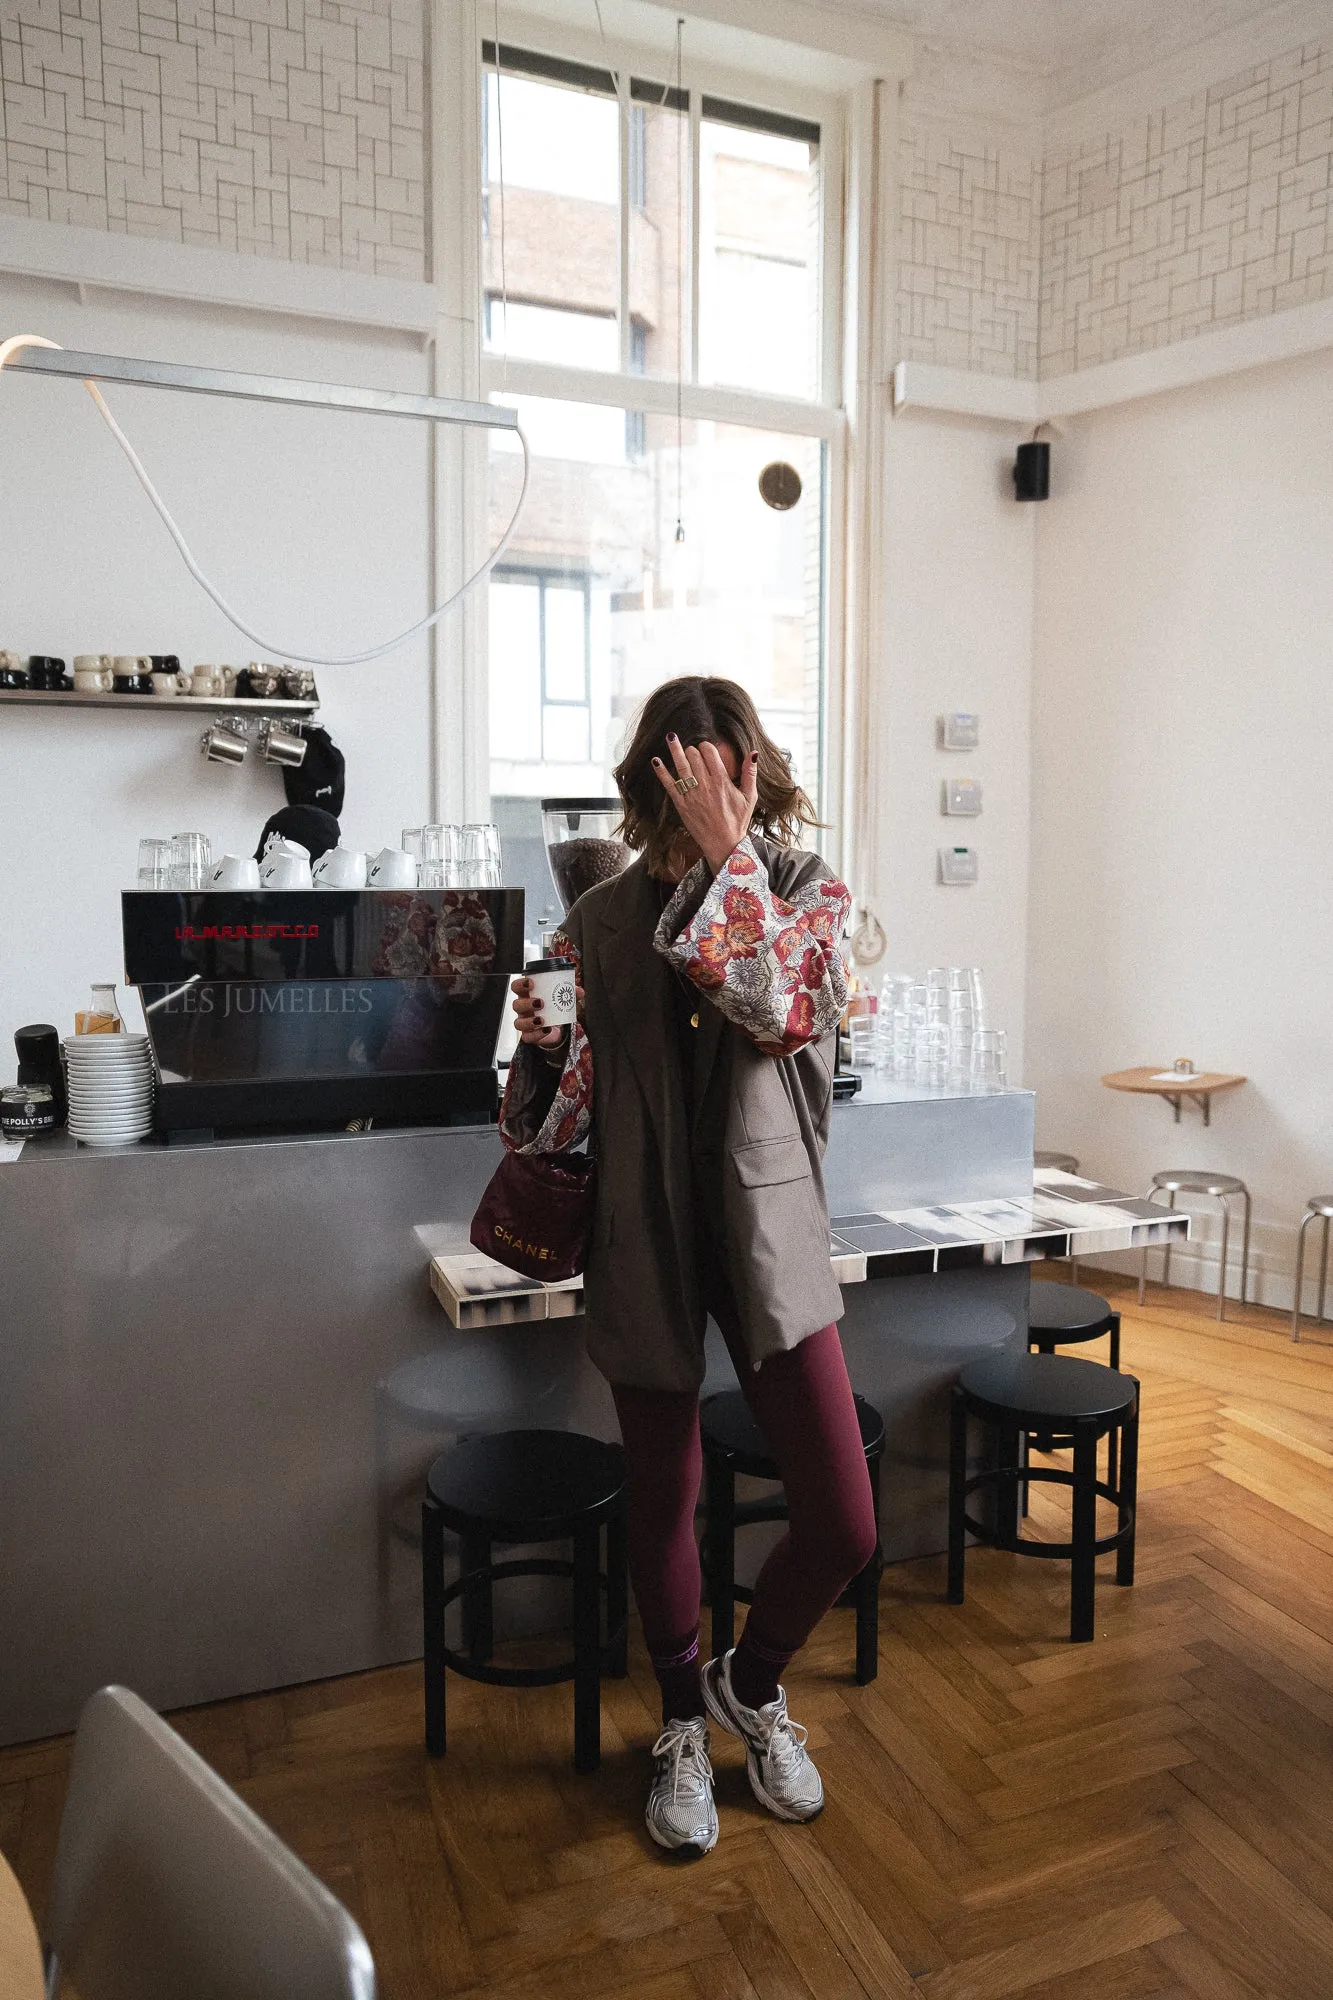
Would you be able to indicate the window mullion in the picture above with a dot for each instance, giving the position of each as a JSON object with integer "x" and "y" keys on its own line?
{"x": 623, "y": 308}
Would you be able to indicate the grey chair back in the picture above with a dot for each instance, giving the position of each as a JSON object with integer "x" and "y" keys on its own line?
{"x": 168, "y": 1887}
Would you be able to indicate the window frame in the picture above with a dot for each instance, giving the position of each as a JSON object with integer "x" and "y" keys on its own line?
{"x": 822, "y": 417}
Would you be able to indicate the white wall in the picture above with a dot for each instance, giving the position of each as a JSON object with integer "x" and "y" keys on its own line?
{"x": 959, "y": 551}
{"x": 314, "y": 524}
{"x": 1182, "y": 877}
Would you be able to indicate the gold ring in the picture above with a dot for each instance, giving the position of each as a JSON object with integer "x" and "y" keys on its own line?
{"x": 687, "y": 785}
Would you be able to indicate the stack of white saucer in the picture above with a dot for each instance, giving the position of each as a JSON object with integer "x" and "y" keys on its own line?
{"x": 110, "y": 1081}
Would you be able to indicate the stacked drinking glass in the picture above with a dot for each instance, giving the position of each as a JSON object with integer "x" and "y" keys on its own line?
{"x": 934, "y": 1031}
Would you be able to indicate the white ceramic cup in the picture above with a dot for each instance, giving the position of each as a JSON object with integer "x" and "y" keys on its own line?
{"x": 94, "y": 680}
{"x": 551, "y": 980}
{"x": 166, "y": 684}
{"x": 392, "y": 868}
{"x": 93, "y": 663}
{"x": 340, "y": 868}
{"x": 205, "y": 681}
{"x": 11, "y": 663}
{"x": 234, "y": 871}
{"x": 286, "y": 865}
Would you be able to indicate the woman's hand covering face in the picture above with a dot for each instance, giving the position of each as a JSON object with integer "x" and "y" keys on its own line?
{"x": 718, "y": 809}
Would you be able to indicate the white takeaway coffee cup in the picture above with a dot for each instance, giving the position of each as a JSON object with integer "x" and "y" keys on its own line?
{"x": 392, "y": 868}
{"x": 286, "y": 865}
{"x": 234, "y": 871}
{"x": 340, "y": 868}
{"x": 551, "y": 980}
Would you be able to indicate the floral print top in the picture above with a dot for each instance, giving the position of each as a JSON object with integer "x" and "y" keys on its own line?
{"x": 770, "y": 964}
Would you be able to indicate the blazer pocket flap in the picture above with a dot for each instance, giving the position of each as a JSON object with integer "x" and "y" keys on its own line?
{"x": 768, "y": 1162}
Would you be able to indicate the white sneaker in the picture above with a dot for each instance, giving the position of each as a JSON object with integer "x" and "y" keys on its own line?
{"x": 783, "y": 1776}
{"x": 681, "y": 1814}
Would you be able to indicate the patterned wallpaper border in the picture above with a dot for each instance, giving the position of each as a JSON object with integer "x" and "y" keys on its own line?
{"x": 1214, "y": 210}
{"x": 285, "y": 128}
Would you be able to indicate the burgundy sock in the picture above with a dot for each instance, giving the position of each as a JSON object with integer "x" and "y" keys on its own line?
{"x": 678, "y": 1677}
{"x": 755, "y": 1671}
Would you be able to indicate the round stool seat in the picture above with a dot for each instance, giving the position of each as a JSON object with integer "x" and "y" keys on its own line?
{"x": 1051, "y": 1391}
{"x": 1066, "y": 1313}
{"x": 1197, "y": 1180}
{"x": 526, "y": 1486}
{"x": 726, "y": 1427}
{"x": 1320, "y": 1204}
{"x": 1058, "y": 1163}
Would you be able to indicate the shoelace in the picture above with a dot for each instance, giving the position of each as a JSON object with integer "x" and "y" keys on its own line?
{"x": 786, "y": 1739}
{"x": 679, "y": 1743}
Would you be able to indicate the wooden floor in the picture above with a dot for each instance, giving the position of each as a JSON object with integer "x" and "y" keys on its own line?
{"x": 1007, "y": 1814}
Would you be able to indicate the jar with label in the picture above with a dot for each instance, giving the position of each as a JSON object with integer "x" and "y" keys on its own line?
{"x": 27, "y": 1110}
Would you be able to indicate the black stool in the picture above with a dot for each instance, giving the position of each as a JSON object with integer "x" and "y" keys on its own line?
{"x": 1021, "y": 1393}
{"x": 732, "y": 1443}
{"x": 526, "y": 1486}
{"x": 1066, "y": 1316}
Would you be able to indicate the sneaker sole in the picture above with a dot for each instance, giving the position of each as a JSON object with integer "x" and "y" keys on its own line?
{"x": 686, "y": 1850}
{"x": 716, "y": 1707}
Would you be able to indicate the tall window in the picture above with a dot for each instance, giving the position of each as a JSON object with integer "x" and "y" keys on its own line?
{"x": 651, "y": 231}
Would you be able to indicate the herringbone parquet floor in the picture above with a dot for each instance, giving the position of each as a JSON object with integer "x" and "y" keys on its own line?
{"x": 1007, "y": 1815}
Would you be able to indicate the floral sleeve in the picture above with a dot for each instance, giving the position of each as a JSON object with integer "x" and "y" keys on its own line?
{"x": 771, "y": 964}
{"x": 534, "y": 1117}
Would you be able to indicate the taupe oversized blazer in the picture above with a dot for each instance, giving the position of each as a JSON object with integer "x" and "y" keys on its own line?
{"x": 760, "y": 1127}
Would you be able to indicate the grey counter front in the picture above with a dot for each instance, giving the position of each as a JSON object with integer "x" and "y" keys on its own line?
{"x": 224, "y": 1372}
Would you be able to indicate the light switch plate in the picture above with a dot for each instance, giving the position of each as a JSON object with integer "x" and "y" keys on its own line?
{"x": 961, "y": 796}
{"x": 959, "y": 731}
{"x": 958, "y": 866}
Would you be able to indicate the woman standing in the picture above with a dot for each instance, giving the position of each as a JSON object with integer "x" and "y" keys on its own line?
{"x": 710, "y": 989}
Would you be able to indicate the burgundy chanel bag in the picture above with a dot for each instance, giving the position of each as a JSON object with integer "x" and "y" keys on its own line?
{"x": 536, "y": 1214}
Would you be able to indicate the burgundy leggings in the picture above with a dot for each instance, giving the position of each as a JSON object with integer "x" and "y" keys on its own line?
{"x": 802, "y": 1402}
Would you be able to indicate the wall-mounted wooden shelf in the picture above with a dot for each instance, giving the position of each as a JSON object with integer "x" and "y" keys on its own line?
{"x": 181, "y": 704}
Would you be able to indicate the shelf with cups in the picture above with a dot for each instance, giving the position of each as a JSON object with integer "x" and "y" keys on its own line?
{"x": 178, "y": 704}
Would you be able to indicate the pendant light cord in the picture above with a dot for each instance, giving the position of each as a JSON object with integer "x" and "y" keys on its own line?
{"x": 9, "y": 348}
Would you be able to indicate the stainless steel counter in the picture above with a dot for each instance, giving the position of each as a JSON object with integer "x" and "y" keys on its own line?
{"x": 222, "y": 1373}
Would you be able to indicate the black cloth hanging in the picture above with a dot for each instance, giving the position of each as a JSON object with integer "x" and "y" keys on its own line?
{"x": 320, "y": 778}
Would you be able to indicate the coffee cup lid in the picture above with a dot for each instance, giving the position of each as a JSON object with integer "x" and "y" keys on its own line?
{"x": 547, "y": 965}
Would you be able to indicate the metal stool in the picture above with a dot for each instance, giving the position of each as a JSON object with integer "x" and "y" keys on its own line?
{"x": 526, "y": 1486}
{"x": 733, "y": 1442}
{"x": 1319, "y": 1205}
{"x": 1222, "y": 1187}
{"x": 1019, "y": 1393}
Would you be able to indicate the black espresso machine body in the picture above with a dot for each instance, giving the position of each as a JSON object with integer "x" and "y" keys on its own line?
{"x": 299, "y": 1008}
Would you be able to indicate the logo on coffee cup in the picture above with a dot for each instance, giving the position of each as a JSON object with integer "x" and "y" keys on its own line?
{"x": 562, "y": 996}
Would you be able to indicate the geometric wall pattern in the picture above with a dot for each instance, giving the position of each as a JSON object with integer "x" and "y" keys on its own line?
{"x": 285, "y": 128}
{"x": 1213, "y": 210}
{"x": 969, "y": 251}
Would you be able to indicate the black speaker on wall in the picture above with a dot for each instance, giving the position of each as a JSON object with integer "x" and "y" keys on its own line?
{"x": 1032, "y": 471}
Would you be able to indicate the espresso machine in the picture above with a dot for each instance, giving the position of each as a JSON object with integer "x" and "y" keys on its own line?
{"x": 308, "y": 1010}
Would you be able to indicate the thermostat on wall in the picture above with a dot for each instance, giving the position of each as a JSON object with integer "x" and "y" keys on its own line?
{"x": 959, "y": 732}
{"x": 958, "y": 866}
{"x": 961, "y": 796}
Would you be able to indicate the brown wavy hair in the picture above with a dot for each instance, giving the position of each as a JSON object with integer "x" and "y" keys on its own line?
{"x": 702, "y": 709}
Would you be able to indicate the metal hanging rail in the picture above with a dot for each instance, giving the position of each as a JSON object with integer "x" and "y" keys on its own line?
{"x": 65, "y": 361}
